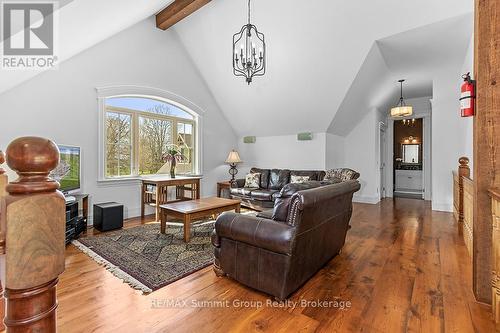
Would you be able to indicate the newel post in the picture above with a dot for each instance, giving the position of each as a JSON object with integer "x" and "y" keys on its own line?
{"x": 35, "y": 220}
{"x": 463, "y": 168}
{"x": 463, "y": 171}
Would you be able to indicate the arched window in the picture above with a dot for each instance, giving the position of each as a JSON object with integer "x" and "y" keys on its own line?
{"x": 138, "y": 130}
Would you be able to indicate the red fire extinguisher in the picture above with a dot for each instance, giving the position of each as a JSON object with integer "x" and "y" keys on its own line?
{"x": 467, "y": 96}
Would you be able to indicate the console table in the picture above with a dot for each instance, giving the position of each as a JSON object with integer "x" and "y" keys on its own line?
{"x": 155, "y": 191}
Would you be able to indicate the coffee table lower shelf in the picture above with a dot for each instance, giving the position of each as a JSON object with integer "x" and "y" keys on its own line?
{"x": 188, "y": 211}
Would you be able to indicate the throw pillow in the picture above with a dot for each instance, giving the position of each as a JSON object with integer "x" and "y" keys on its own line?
{"x": 298, "y": 179}
{"x": 252, "y": 180}
{"x": 347, "y": 174}
{"x": 332, "y": 174}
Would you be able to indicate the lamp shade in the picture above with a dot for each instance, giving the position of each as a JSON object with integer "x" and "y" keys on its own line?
{"x": 401, "y": 111}
{"x": 233, "y": 157}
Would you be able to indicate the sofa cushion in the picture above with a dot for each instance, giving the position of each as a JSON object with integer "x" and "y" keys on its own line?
{"x": 252, "y": 180}
{"x": 263, "y": 194}
{"x": 242, "y": 190}
{"x": 282, "y": 202}
{"x": 267, "y": 214}
{"x": 278, "y": 178}
{"x": 312, "y": 174}
{"x": 264, "y": 176}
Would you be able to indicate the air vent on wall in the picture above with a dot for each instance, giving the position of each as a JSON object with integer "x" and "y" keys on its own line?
{"x": 249, "y": 139}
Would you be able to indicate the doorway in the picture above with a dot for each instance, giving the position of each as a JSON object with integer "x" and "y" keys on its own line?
{"x": 408, "y": 153}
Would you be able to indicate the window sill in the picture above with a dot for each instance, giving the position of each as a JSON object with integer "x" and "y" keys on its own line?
{"x": 119, "y": 181}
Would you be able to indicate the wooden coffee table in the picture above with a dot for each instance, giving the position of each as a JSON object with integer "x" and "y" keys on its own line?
{"x": 195, "y": 209}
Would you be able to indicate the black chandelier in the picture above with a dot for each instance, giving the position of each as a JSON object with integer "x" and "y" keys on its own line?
{"x": 246, "y": 61}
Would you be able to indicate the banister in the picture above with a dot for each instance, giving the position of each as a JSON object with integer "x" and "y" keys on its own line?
{"x": 34, "y": 239}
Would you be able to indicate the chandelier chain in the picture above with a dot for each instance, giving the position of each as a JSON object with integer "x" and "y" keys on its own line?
{"x": 248, "y": 11}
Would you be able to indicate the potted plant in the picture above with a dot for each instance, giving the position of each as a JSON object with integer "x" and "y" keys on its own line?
{"x": 173, "y": 155}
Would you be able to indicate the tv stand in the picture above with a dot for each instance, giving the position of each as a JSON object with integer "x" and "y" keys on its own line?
{"x": 76, "y": 223}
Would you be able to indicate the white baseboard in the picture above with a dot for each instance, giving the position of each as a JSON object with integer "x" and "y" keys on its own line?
{"x": 442, "y": 207}
{"x": 366, "y": 199}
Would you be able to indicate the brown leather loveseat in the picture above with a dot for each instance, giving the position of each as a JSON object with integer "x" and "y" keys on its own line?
{"x": 277, "y": 255}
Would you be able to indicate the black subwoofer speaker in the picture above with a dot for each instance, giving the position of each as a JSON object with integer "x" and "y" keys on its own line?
{"x": 108, "y": 216}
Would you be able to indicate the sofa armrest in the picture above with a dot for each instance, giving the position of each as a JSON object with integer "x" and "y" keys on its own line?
{"x": 238, "y": 183}
{"x": 260, "y": 232}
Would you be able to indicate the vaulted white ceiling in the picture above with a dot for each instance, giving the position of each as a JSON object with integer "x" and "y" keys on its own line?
{"x": 315, "y": 51}
{"x": 323, "y": 56}
{"x": 415, "y": 55}
{"x": 84, "y": 23}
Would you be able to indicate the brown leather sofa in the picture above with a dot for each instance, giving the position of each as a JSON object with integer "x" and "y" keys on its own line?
{"x": 271, "y": 182}
{"x": 277, "y": 256}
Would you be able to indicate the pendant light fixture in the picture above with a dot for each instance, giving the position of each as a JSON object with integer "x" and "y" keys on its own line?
{"x": 401, "y": 110}
{"x": 249, "y": 51}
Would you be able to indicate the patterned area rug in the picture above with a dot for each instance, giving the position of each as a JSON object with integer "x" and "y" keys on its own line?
{"x": 148, "y": 260}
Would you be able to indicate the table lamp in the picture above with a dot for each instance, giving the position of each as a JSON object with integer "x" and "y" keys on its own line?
{"x": 232, "y": 159}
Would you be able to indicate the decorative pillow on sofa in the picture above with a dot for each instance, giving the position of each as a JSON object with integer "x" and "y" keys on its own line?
{"x": 252, "y": 180}
{"x": 342, "y": 173}
{"x": 298, "y": 179}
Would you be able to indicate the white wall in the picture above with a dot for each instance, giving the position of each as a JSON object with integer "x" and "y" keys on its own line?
{"x": 361, "y": 155}
{"x": 62, "y": 104}
{"x": 283, "y": 152}
{"x": 450, "y": 139}
{"x": 335, "y": 151}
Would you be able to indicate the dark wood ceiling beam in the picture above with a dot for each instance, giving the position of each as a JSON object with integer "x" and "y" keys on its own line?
{"x": 176, "y": 11}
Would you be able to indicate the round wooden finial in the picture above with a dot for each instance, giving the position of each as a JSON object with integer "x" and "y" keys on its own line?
{"x": 32, "y": 158}
{"x": 2, "y": 161}
{"x": 463, "y": 160}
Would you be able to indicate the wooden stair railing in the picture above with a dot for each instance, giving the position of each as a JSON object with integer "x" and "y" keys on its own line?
{"x": 463, "y": 201}
{"x": 34, "y": 239}
{"x": 3, "y": 193}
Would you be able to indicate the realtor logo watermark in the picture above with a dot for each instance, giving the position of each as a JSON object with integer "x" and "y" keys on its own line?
{"x": 29, "y": 35}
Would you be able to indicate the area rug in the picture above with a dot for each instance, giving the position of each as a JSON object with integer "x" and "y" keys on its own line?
{"x": 148, "y": 260}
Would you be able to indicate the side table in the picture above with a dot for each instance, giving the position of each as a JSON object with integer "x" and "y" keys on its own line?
{"x": 226, "y": 185}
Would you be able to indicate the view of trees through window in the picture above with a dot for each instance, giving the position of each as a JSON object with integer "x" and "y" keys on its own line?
{"x": 139, "y": 131}
{"x": 119, "y": 144}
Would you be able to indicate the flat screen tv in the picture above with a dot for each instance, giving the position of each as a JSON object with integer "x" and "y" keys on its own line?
{"x": 67, "y": 172}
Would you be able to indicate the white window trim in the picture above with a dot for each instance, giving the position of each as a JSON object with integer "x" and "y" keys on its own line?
{"x": 146, "y": 92}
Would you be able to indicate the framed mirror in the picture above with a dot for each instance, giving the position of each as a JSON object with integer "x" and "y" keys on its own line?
{"x": 411, "y": 153}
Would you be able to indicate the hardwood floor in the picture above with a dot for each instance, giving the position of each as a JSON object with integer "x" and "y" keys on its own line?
{"x": 403, "y": 269}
